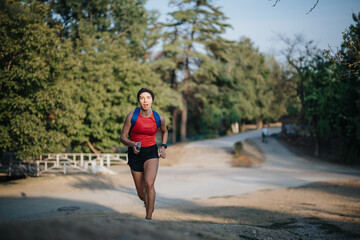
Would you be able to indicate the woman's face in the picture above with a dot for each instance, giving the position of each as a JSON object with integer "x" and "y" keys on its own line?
{"x": 145, "y": 100}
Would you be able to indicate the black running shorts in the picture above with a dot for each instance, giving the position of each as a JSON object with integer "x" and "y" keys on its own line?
{"x": 136, "y": 161}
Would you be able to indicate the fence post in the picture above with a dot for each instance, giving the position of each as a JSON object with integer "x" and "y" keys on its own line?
{"x": 93, "y": 166}
{"x": 64, "y": 167}
{"x": 82, "y": 159}
{"x": 108, "y": 160}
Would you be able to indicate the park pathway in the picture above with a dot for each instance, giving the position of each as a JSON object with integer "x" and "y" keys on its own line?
{"x": 214, "y": 153}
{"x": 204, "y": 170}
{"x": 204, "y": 173}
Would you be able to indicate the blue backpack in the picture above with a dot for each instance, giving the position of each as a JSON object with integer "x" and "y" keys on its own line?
{"x": 136, "y": 115}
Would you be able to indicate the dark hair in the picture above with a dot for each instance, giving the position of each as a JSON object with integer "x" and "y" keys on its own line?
{"x": 145, "y": 90}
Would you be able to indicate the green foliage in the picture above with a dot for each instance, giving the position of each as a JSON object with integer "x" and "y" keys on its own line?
{"x": 211, "y": 116}
{"x": 35, "y": 114}
{"x": 348, "y": 91}
{"x": 106, "y": 67}
{"x": 106, "y": 80}
{"x": 238, "y": 148}
{"x": 328, "y": 91}
{"x": 332, "y": 93}
{"x": 230, "y": 83}
{"x": 195, "y": 24}
{"x": 70, "y": 72}
{"x": 238, "y": 81}
{"x": 321, "y": 108}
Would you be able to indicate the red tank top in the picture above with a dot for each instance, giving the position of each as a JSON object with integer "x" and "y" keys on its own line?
{"x": 144, "y": 131}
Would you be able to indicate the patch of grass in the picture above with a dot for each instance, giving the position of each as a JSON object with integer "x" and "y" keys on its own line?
{"x": 226, "y": 196}
{"x": 238, "y": 148}
{"x": 308, "y": 204}
{"x": 247, "y": 154}
{"x": 242, "y": 161}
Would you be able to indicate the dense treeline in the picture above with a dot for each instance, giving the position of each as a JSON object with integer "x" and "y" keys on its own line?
{"x": 70, "y": 71}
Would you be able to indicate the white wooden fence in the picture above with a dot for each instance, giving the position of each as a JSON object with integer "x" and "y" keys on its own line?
{"x": 78, "y": 162}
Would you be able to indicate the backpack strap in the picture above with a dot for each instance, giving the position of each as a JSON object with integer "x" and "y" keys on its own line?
{"x": 136, "y": 115}
{"x": 157, "y": 119}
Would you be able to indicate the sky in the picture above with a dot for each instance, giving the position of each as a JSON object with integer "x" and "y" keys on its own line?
{"x": 260, "y": 21}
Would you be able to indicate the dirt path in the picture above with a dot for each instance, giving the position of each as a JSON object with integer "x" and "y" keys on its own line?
{"x": 197, "y": 199}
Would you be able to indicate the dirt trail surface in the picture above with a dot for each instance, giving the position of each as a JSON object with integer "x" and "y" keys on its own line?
{"x": 199, "y": 196}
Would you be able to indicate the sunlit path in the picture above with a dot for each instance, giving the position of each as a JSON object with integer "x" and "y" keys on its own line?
{"x": 282, "y": 168}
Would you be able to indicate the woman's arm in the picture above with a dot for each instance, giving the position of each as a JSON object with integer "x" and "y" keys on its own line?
{"x": 165, "y": 134}
{"x": 125, "y": 132}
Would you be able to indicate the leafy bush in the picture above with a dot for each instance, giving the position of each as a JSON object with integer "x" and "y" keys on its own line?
{"x": 238, "y": 148}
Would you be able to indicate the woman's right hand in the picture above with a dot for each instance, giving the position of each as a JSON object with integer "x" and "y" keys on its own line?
{"x": 136, "y": 148}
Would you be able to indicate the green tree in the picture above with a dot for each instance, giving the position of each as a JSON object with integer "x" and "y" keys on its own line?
{"x": 299, "y": 54}
{"x": 197, "y": 23}
{"x": 280, "y": 91}
{"x": 249, "y": 93}
{"x": 328, "y": 93}
{"x": 348, "y": 91}
{"x": 234, "y": 84}
{"x": 108, "y": 65}
{"x": 35, "y": 113}
{"x": 123, "y": 19}
{"x": 320, "y": 99}
{"x": 107, "y": 80}
{"x": 310, "y": 78}
{"x": 168, "y": 63}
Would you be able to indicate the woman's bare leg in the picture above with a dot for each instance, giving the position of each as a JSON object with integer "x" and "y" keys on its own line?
{"x": 139, "y": 183}
{"x": 150, "y": 171}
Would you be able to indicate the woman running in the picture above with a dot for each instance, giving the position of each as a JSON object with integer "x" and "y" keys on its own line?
{"x": 143, "y": 154}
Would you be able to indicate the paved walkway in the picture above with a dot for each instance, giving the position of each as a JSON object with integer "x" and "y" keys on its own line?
{"x": 205, "y": 172}
{"x": 282, "y": 168}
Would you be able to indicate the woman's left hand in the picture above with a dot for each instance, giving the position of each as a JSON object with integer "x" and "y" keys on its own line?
{"x": 162, "y": 152}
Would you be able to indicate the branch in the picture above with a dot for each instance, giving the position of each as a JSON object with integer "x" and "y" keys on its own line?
{"x": 119, "y": 35}
{"x": 93, "y": 148}
{"x": 276, "y": 2}
{"x": 317, "y": 1}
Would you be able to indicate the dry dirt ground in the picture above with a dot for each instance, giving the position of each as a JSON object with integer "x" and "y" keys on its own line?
{"x": 322, "y": 210}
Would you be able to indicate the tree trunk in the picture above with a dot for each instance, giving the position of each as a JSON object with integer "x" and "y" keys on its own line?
{"x": 185, "y": 87}
{"x": 93, "y": 149}
{"x": 315, "y": 135}
{"x": 174, "y": 125}
{"x": 316, "y": 153}
{"x": 243, "y": 127}
{"x": 259, "y": 124}
{"x": 183, "y": 122}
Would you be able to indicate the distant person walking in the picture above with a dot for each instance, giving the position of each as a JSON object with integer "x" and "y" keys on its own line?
{"x": 141, "y": 125}
{"x": 264, "y": 134}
